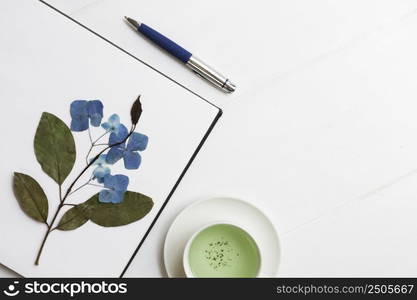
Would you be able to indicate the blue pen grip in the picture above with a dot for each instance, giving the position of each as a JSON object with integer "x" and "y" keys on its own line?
{"x": 165, "y": 43}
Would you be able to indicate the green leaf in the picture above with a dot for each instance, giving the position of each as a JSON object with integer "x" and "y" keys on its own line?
{"x": 134, "y": 207}
{"x": 136, "y": 111}
{"x": 54, "y": 147}
{"x": 30, "y": 196}
{"x": 72, "y": 219}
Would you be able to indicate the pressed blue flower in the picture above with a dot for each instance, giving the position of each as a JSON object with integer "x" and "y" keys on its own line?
{"x": 95, "y": 112}
{"x": 115, "y": 188}
{"x": 118, "y": 131}
{"x": 113, "y": 124}
{"x": 118, "y": 137}
{"x": 79, "y": 115}
{"x": 101, "y": 169}
{"x": 83, "y": 111}
{"x": 131, "y": 157}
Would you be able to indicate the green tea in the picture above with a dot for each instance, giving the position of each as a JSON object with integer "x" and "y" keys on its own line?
{"x": 224, "y": 250}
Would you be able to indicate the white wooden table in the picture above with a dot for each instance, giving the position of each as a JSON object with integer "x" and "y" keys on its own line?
{"x": 321, "y": 133}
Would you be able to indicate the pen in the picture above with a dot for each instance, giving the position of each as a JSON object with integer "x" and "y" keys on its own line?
{"x": 192, "y": 62}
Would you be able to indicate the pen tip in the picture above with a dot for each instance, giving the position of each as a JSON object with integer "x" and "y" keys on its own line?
{"x": 133, "y": 23}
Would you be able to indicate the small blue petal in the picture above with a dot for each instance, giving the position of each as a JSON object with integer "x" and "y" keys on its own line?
{"x": 106, "y": 126}
{"x": 132, "y": 160}
{"x": 79, "y": 107}
{"x": 105, "y": 196}
{"x": 100, "y": 172}
{"x": 116, "y": 182}
{"x": 119, "y": 136}
{"x": 100, "y": 180}
{"x": 137, "y": 142}
{"x": 95, "y": 120}
{"x": 79, "y": 115}
{"x": 79, "y": 124}
{"x": 100, "y": 161}
{"x": 114, "y": 120}
{"x": 109, "y": 196}
{"x": 113, "y": 124}
{"x": 118, "y": 197}
{"x": 121, "y": 183}
{"x": 95, "y": 112}
{"x": 115, "y": 154}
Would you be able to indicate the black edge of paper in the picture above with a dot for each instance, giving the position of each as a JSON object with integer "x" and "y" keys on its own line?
{"x": 128, "y": 53}
{"x": 193, "y": 156}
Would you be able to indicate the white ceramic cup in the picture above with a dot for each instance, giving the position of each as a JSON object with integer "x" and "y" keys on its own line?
{"x": 185, "y": 257}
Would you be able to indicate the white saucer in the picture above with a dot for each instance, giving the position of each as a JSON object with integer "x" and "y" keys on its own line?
{"x": 201, "y": 213}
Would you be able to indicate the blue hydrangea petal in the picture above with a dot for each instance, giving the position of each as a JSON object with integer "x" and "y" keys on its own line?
{"x": 79, "y": 107}
{"x": 114, "y": 120}
{"x": 79, "y": 123}
{"x": 106, "y": 196}
{"x": 118, "y": 197}
{"x": 115, "y": 188}
{"x": 121, "y": 183}
{"x": 100, "y": 172}
{"x": 137, "y": 142}
{"x": 115, "y": 154}
{"x": 112, "y": 124}
{"x": 106, "y": 126}
{"x": 120, "y": 136}
{"x": 116, "y": 182}
{"x": 100, "y": 180}
{"x": 79, "y": 115}
{"x": 132, "y": 160}
{"x": 95, "y": 112}
{"x": 100, "y": 161}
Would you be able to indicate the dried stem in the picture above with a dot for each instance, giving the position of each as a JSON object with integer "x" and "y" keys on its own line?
{"x": 71, "y": 186}
{"x": 93, "y": 143}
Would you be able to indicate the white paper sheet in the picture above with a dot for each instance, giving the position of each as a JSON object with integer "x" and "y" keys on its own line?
{"x": 46, "y": 62}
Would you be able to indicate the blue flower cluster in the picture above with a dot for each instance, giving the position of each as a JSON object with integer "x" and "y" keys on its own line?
{"x": 84, "y": 113}
{"x": 115, "y": 187}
